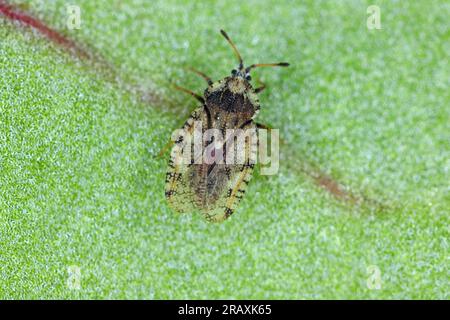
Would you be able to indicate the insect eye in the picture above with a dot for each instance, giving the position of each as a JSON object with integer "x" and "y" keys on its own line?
{"x": 248, "y": 77}
{"x": 233, "y": 72}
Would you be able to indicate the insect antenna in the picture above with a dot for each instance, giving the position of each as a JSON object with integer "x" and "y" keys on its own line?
{"x": 279, "y": 64}
{"x": 238, "y": 55}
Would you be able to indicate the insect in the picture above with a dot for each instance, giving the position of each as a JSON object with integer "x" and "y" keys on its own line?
{"x": 215, "y": 188}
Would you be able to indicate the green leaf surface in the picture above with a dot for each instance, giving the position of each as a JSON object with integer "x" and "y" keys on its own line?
{"x": 80, "y": 183}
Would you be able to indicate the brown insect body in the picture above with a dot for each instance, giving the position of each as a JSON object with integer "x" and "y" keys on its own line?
{"x": 215, "y": 189}
{"x": 235, "y": 98}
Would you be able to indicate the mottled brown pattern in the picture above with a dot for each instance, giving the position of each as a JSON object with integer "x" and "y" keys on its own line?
{"x": 215, "y": 189}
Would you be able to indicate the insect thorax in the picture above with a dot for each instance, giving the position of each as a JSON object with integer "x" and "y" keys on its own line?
{"x": 232, "y": 95}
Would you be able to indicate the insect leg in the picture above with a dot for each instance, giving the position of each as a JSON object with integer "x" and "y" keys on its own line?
{"x": 263, "y": 126}
{"x": 196, "y": 96}
{"x": 269, "y": 128}
{"x": 165, "y": 148}
{"x": 261, "y": 87}
{"x": 201, "y": 74}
